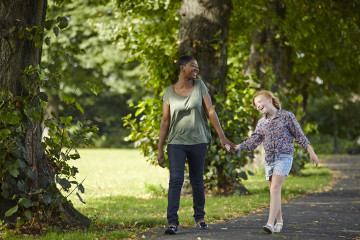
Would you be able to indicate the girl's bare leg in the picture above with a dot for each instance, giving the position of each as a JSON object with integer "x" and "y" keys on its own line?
{"x": 275, "y": 185}
{"x": 278, "y": 218}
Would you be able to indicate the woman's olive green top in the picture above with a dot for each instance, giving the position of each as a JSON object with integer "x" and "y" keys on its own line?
{"x": 188, "y": 120}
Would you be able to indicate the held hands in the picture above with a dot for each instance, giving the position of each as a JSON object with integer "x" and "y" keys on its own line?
{"x": 236, "y": 148}
{"x": 227, "y": 145}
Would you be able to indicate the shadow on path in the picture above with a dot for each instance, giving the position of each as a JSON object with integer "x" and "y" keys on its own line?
{"x": 329, "y": 215}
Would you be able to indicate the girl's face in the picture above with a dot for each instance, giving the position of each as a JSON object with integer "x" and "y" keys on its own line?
{"x": 191, "y": 69}
{"x": 263, "y": 104}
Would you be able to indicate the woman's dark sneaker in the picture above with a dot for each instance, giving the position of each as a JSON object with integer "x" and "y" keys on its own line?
{"x": 171, "y": 229}
{"x": 202, "y": 225}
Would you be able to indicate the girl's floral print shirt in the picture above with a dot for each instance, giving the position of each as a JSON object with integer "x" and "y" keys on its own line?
{"x": 277, "y": 136}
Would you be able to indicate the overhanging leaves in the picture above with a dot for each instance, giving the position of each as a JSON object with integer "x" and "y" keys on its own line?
{"x": 11, "y": 211}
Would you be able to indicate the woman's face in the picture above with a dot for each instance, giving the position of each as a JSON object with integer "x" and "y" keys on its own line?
{"x": 263, "y": 104}
{"x": 191, "y": 69}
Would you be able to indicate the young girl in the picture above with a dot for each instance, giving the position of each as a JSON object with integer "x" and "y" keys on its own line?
{"x": 277, "y": 130}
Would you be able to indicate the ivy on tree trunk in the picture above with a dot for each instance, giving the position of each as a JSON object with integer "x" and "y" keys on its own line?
{"x": 27, "y": 170}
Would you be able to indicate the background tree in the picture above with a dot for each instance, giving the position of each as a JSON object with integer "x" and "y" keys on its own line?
{"x": 204, "y": 33}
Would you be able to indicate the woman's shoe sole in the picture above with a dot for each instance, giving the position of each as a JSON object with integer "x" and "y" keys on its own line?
{"x": 170, "y": 232}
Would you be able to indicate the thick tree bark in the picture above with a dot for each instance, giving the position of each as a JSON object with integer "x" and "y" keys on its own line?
{"x": 203, "y": 33}
{"x": 15, "y": 54}
{"x": 204, "y": 30}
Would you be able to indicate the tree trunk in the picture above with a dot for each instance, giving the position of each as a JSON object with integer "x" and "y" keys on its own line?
{"x": 204, "y": 30}
{"x": 203, "y": 33}
{"x": 16, "y": 54}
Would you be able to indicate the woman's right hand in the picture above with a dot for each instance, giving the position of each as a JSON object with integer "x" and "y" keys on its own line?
{"x": 161, "y": 158}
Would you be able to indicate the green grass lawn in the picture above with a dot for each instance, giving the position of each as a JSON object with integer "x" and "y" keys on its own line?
{"x": 119, "y": 203}
{"x": 114, "y": 172}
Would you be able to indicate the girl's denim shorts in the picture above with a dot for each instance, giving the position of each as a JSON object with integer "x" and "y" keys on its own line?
{"x": 279, "y": 167}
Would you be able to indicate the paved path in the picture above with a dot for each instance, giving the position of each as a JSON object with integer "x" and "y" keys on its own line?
{"x": 330, "y": 215}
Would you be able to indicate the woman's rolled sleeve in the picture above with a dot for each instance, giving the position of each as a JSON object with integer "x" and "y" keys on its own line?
{"x": 165, "y": 96}
{"x": 204, "y": 90}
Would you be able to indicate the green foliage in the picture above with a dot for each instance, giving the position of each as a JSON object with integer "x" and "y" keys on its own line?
{"x": 145, "y": 127}
{"x": 148, "y": 30}
{"x": 157, "y": 53}
{"x": 17, "y": 115}
{"x": 222, "y": 169}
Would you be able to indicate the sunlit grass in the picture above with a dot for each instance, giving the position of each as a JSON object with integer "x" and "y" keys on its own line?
{"x": 113, "y": 172}
{"x": 72, "y": 235}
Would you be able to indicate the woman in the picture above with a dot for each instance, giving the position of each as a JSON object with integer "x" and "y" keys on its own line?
{"x": 186, "y": 107}
{"x": 277, "y": 130}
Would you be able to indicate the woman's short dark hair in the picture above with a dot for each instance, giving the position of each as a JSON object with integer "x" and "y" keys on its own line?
{"x": 183, "y": 60}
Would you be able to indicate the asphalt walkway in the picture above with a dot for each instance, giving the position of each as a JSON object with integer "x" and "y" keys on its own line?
{"x": 334, "y": 214}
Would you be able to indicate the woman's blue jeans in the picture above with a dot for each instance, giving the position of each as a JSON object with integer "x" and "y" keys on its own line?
{"x": 177, "y": 154}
